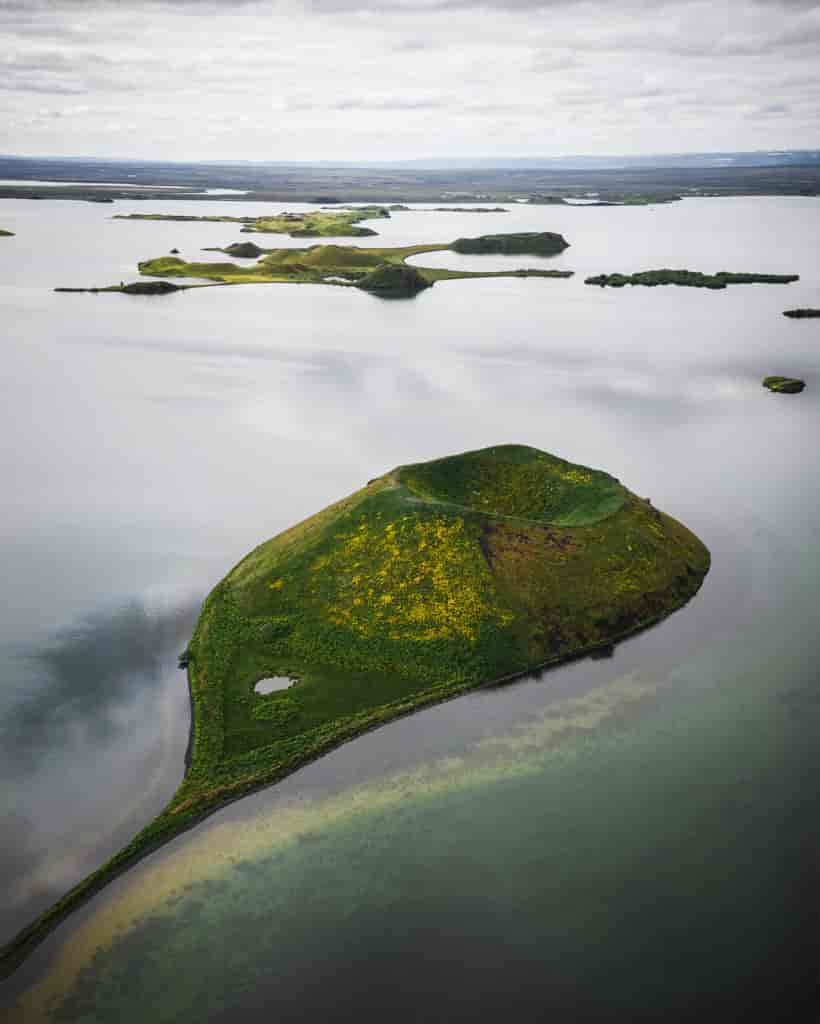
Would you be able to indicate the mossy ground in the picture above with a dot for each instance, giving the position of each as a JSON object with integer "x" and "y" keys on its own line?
{"x": 316, "y": 224}
{"x": 427, "y": 582}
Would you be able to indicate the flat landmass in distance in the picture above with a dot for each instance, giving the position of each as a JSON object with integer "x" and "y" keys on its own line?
{"x": 316, "y": 224}
{"x": 429, "y": 581}
{"x": 688, "y": 279}
{"x": 627, "y": 180}
{"x": 382, "y": 271}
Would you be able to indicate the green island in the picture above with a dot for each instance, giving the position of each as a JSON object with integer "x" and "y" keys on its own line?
{"x": 427, "y": 582}
{"x": 316, "y": 224}
{"x": 134, "y": 288}
{"x": 330, "y": 264}
{"x": 784, "y": 385}
{"x": 6, "y": 234}
{"x": 688, "y": 279}
{"x": 530, "y": 243}
{"x": 801, "y": 314}
{"x": 381, "y": 272}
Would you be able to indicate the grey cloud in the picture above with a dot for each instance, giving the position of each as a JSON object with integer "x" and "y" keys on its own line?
{"x": 36, "y": 85}
{"x": 413, "y": 45}
{"x": 596, "y": 69}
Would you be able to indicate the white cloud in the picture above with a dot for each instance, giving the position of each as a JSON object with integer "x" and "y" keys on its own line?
{"x": 347, "y": 79}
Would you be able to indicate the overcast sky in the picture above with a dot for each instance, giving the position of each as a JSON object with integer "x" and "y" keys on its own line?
{"x": 364, "y": 79}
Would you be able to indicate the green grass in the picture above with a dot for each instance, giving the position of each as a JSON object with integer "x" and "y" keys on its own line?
{"x": 318, "y": 224}
{"x": 688, "y": 279}
{"x": 431, "y": 580}
{"x": 523, "y": 484}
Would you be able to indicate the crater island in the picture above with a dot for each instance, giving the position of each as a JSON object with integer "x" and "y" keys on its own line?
{"x": 429, "y": 581}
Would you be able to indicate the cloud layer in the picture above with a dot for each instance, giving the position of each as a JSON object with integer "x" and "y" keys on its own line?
{"x": 363, "y": 79}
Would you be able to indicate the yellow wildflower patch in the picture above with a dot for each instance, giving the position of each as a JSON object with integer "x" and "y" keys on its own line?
{"x": 423, "y": 579}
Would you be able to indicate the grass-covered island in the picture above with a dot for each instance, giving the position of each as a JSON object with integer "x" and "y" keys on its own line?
{"x": 316, "y": 224}
{"x": 381, "y": 272}
{"x": 134, "y": 288}
{"x": 334, "y": 264}
{"x": 784, "y": 385}
{"x": 801, "y": 314}
{"x": 688, "y": 279}
{"x": 529, "y": 243}
{"x": 427, "y": 582}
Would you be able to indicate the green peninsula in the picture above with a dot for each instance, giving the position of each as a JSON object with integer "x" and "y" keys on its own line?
{"x": 6, "y": 234}
{"x": 688, "y": 279}
{"x": 431, "y": 580}
{"x": 802, "y": 314}
{"x": 316, "y": 224}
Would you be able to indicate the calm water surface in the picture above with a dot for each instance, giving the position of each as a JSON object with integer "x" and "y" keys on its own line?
{"x": 632, "y": 838}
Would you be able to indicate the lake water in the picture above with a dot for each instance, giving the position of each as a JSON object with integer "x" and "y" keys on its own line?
{"x": 622, "y": 839}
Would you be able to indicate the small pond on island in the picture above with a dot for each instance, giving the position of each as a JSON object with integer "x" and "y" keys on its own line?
{"x": 628, "y": 838}
{"x": 266, "y": 686}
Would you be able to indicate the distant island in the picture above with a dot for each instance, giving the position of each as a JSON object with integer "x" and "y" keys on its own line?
{"x": 801, "y": 314}
{"x": 530, "y": 243}
{"x": 467, "y": 209}
{"x": 784, "y": 385}
{"x": 134, "y": 288}
{"x": 316, "y": 224}
{"x": 351, "y": 266}
{"x": 432, "y": 579}
{"x": 687, "y": 279}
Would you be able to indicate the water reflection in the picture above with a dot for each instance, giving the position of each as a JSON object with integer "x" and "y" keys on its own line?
{"x": 93, "y": 748}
